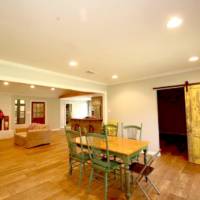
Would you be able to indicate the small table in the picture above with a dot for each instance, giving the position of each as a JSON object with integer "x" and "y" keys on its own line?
{"x": 125, "y": 149}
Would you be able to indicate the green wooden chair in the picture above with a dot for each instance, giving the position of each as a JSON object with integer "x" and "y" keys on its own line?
{"x": 98, "y": 164}
{"x": 132, "y": 132}
{"x": 77, "y": 154}
{"x": 110, "y": 129}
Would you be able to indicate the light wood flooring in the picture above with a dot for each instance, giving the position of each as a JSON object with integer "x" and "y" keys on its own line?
{"x": 41, "y": 174}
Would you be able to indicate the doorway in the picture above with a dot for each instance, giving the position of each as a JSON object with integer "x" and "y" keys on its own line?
{"x": 172, "y": 121}
{"x": 38, "y": 112}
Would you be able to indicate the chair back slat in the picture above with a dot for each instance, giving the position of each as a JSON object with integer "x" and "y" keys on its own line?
{"x": 110, "y": 129}
{"x": 132, "y": 132}
{"x": 71, "y": 139}
{"x": 96, "y": 154}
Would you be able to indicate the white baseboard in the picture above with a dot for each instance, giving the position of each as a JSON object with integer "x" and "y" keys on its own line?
{"x": 55, "y": 129}
{"x": 152, "y": 153}
{"x": 6, "y": 134}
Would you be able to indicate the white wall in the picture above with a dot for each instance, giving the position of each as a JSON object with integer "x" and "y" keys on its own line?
{"x": 136, "y": 102}
{"x": 52, "y": 109}
{"x": 79, "y": 109}
{"x": 5, "y": 104}
{"x": 17, "y": 72}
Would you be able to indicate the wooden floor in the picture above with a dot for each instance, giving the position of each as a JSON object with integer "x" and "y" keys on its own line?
{"x": 41, "y": 173}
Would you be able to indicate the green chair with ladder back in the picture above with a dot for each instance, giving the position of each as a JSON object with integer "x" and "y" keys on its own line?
{"x": 94, "y": 140}
{"x": 110, "y": 129}
{"x": 132, "y": 131}
{"x": 78, "y": 156}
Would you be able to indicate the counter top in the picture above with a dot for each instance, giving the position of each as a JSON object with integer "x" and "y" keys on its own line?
{"x": 86, "y": 119}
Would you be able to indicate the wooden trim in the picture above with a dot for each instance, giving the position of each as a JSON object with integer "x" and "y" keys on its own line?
{"x": 186, "y": 84}
{"x": 196, "y": 83}
{"x": 169, "y": 87}
{"x": 72, "y": 93}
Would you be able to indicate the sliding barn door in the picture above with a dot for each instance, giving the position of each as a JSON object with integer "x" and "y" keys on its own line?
{"x": 192, "y": 99}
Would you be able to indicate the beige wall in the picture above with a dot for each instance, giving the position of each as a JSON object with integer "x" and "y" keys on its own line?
{"x": 136, "y": 102}
{"x": 5, "y": 104}
{"x": 79, "y": 108}
{"x": 52, "y": 110}
{"x": 16, "y": 72}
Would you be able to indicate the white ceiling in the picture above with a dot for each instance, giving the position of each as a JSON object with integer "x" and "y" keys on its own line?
{"x": 25, "y": 90}
{"x": 20, "y": 89}
{"x": 124, "y": 37}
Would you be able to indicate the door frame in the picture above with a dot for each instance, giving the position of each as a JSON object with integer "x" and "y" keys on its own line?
{"x": 156, "y": 95}
{"x": 45, "y": 104}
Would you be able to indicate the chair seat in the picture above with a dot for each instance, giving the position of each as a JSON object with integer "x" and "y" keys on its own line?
{"x": 138, "y": 167}
{"x": 104, "y": 165}
{"x": 81, "y": 156}
{"x": 112, "y": 158}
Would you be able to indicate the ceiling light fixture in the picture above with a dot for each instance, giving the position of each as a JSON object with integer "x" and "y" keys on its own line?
{"x": 193, "y": 59}
{"x": 6, "y": 83}
{"x": 52, "y": 88}
{"x": 73, "y": 63}
{"x": 174, "y": 22}
{"x": 114, "y": 76}
{"x": 32, "y": 86}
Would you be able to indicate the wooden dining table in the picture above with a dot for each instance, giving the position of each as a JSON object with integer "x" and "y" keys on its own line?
{"x": 123, "y": 148}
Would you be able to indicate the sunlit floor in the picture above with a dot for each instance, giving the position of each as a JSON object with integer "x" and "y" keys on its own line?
{"x": 41, "y": 173}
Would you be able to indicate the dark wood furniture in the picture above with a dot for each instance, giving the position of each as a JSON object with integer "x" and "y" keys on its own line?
{"x": 97, "y": 107}
{"x": 90, "y": 124}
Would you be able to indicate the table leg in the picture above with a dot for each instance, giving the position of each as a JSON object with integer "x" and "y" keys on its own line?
{"x": 70, "y": 165}
{"x": 145, "y": 156}
{"x": 127, "y": 173}
{"x": 121, "y": 178}
{"x": 145, "y": 161}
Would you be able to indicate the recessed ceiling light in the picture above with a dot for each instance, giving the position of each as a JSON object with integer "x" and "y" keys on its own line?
{"x": 73, "y": 63}
{"x": 52, "y": 88}
{"x": 114, "y": 76}
{"x": 32, "y": 86}
{"x": 193, "y": 59}
{"x": 6, "y": 83}
{"x": 174, "y": 22}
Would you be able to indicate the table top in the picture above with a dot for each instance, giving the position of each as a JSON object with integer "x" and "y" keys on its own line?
{"x": 118, "y": 144}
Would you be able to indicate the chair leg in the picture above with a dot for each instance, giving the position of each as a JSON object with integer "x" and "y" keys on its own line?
{"x": 115, "y": 170}
{"x": 121, "y": 178}
{"x": 145, "y": 193}
{"x": 154, "y": 186}
{"x": 70, "y": 166}
{"x": 81, "y": 174}
{"x": 106, "y": 186}
{"x": 91, "y": 178}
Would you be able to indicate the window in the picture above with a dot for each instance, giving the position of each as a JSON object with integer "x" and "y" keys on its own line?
{"x": 20, "y": 111}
